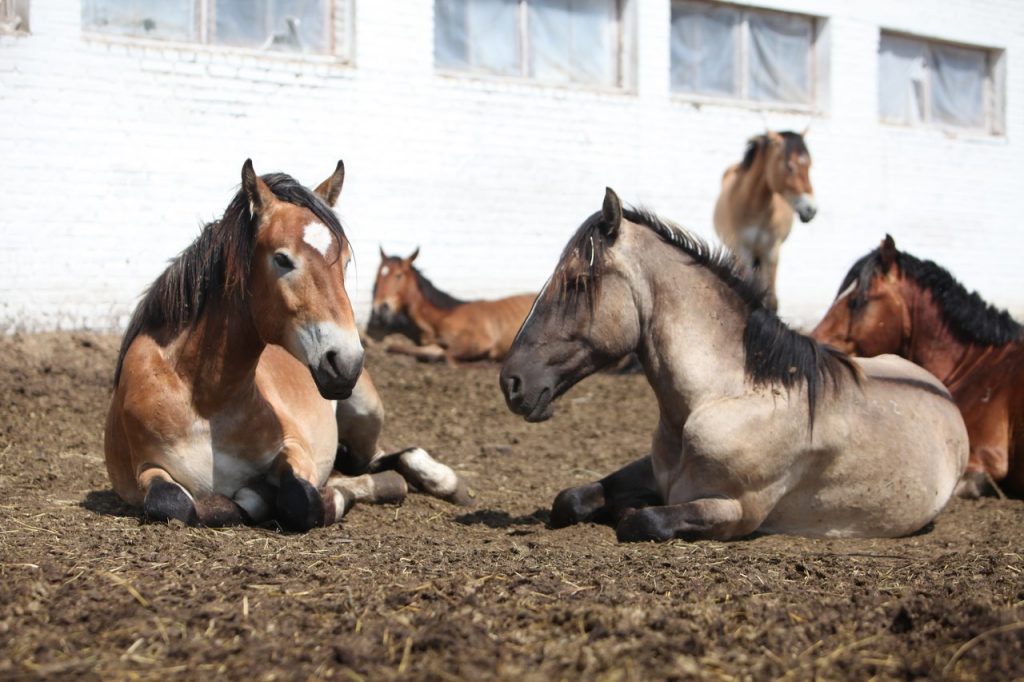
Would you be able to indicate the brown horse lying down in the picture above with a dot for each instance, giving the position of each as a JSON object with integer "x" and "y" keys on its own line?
{"x": 754, "y": 212}
{"x": 760, "y": 428}
{"x": 222, "y": 408}
{"x": 442, "y": 326}
{"x": 891, "y": 302}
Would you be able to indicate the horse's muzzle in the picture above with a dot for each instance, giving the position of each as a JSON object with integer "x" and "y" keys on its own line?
{"x": 334, "y": 377}
{"x": 534, "y": 408}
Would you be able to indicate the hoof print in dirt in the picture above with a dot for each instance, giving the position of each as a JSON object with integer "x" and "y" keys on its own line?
{"x": 299, "y": 505}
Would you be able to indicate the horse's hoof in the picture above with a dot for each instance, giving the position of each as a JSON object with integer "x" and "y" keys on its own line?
{"x": 299, "y": 505}
{"x": 641, "y": 526}
{"x": 165, "y": 501}
{"x": 572, "y": 506}
{"x": 462, "y": 496}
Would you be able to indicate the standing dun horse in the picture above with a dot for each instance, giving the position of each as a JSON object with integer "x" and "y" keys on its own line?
{"x": 760, "y": 428}
{"x": 891, "y": 302}
{"x": 754, "y": 211}
{"x": 222, "y": 408}
{"x": 442, "y": 326}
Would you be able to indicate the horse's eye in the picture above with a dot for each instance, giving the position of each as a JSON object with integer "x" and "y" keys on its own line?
{"x": 398, "y": 276}
{"x": 282, "y": 261}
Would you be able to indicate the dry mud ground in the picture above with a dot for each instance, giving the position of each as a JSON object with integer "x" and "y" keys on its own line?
{"x": 431, "y": 591}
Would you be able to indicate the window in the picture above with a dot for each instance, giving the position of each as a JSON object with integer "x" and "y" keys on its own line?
{"x": 730, "y": 51}
{"x": 923, "y": 82}
{"x": 555, "y": 41}
{"x": 306, "y": 26}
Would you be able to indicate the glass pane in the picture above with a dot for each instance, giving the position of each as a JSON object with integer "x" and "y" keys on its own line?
{"x": 574, "y": 41}
{"x": 479, "y": 35}
{"x": 958, "y": 85}
{"x": 285, "y": 25}
{"x": 780, "y": 57}
{"x": 902, "y": 72}
{"x": 159, "y": 19}
{"x": 703, "y": 43}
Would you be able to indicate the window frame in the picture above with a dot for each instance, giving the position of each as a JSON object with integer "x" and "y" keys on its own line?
{"x": 625, "y": 55}
{"x": 339, "y": 19}
{"x": 993, "y": 88}
{"x": 817, "y": 58}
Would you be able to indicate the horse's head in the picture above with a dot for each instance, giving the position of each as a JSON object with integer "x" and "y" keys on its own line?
{"x": 296, "y": 288}
{"x": 870, "y": 315}
{"x": 788, "y": 171}
{"x": 584, "y": 319}
{"x": 394, "y": 287}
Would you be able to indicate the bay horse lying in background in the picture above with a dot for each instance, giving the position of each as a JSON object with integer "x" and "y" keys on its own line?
{"x": 221, "y": 412}
{"x": 754, "y": 211}
{"x": 761, "y": 428}
{"x": 891, "y": 302}
{"x": 442, "y": 326}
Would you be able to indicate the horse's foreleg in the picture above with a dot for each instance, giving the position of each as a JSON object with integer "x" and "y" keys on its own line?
{"x": 166, "y": 499}
{"x": 430, "y": 353}
{"x": 386, "y": 487}
{"x": 706, "y": 519}
{"x": 299, "y": 504}
{"x": 360, "y": 419}
{"x": 427, "y": 474}
{"x": 607, "y": 500}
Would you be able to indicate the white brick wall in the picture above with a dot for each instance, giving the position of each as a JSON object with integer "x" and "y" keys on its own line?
{"x": 113, "y": 152}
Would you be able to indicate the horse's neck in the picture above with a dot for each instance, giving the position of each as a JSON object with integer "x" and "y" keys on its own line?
{"x": 931, "y": 344}
{"x": 424, "y": 314}
{"x": 218, "y": 356}
{"x": 691, "y": 340}
{"x": 755, "y": 199}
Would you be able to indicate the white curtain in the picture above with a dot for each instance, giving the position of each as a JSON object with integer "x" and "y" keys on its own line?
{"x": 780, "y": 57}
{"x": 160, "y": 19}
{"x": 703, "y": 43}
{"x": 480, "y": 35}
{"x": 286, "y": 25}
{"x": 573, "y": 41}
{"x": 957, "y": 85}
{"x": 902, "y": 72}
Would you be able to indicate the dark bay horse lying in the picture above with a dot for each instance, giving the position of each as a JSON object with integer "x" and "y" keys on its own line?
{"x": 754, "y": 211}
{"x": 760, "y": 428}
{"x": 442, "y": 326}
{"x": 222, "y": 408}
{"x": 891, "y": 302}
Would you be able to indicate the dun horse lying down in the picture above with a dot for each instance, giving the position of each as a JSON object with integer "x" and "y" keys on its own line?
{"x": 442, "y": 326}
{"x": 754, "y": 212}
{"x": 222, "y": 409}
{"x": 891, "y": 302}
{"x": 760, "y": 427}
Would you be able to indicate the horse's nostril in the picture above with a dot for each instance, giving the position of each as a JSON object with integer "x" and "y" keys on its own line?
{"x": 332, "y": 362}
{"x": 512, "y": 386}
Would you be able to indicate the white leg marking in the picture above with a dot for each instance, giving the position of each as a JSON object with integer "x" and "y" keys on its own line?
{"x": 436, "y": 478}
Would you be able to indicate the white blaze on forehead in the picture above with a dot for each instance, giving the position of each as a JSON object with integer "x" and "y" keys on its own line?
{"x": 384, "y": 270}
{"x": 318, "y": 236}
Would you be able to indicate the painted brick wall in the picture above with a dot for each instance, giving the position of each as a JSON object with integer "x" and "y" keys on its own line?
{"x": 113, "y": 152}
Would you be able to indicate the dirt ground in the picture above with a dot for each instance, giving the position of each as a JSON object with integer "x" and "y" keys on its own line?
{"x": 431, "y": 591}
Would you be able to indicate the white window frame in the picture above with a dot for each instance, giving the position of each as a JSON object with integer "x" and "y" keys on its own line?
{"x": 339, "y": 18}
{"x": 993, "y": 88}
{"x": 625, "y": 55}
{"x": 817, "y": 68}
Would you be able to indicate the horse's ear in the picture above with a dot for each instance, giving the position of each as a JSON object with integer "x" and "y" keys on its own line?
{"x": 415, "y": 253}
{"x": 259, "y": 195}
{"x": 383, "y": 256}
{"x": 887, "y": 253}
{"x": 611, "y": 212}
{"x": 774, "y": 138}
{"x": 329, "y": 189}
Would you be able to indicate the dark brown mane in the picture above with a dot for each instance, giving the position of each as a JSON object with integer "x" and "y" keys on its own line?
{"x": 774, "y": 354}
{"x": 794, "y": 144}
{"x": 435, "y": 296}
{"x": 214, "y": 267}
{"x": 970, "y": 319}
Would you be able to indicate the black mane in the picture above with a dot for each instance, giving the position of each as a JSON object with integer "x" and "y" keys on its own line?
{"x": 774, "y": 354}
{"x": 214, "y": 267}
{"x": 434, "y": 295}
{"x": 793, "y": 144}
{"x": 970, "y": 319}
